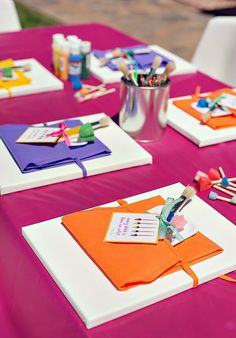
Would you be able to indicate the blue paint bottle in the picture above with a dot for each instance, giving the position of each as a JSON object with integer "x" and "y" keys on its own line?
{"x": 74, "y": 61}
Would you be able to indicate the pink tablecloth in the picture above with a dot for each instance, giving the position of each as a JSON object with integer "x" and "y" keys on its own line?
{"x": 31, "y": 305}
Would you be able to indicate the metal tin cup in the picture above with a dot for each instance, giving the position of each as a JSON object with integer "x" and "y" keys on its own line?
{"x": 143, "y": 113}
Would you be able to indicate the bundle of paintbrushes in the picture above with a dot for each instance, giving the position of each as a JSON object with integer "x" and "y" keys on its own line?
{"x": 174, "y": 226}
{"x": 89, "y": 92}
{"x": 150, "y": 79}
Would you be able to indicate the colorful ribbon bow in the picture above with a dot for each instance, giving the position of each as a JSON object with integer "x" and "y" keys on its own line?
{"x": 61, "y": 133}
{"x": 166, "y": 228}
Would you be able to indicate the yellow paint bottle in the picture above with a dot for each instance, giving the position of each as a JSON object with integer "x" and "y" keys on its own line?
{"x": 63, "y": 60}
{"x": 56, "y": 38}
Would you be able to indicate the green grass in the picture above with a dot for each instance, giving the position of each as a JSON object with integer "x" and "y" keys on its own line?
{"x": 31, "y": 18}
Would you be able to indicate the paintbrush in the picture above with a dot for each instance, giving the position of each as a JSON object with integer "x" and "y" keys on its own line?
{"x": 74, "y": 132}
{"x": 24, "y": 68}
{"x": 187, "y": 194}
{"x": 128, "y": 74}
{"x": 170, "y": 67}
{"x": 156, "y": 63}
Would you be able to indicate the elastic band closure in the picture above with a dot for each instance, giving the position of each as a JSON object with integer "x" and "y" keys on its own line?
{"x": 190, "y": 272}
{"x": 9, "y": 92}
{"x": 228, "y": 279}
{"x": 184, "y": 265}
{"x": 121, "y": 202}
{"x": 82, "y": 167}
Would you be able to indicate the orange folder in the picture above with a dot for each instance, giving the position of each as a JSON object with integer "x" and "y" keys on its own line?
{"x": 19, "y": 81}
{"x": 129, "y": 265}
{"x": 214, "y": 122}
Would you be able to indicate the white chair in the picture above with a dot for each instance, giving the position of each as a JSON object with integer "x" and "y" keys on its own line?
{"x": 9, "y": 21}
{"x": 216, "y": 52}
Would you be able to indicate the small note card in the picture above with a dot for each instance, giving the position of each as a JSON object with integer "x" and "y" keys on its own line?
{"x": 228, "y": 101}
{"x": 38, "y": 135}
{"x": 133, "y": 228}
{"x": 215, "y": 113}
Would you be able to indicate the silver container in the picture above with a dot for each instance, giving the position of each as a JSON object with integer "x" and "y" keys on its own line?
{"x": 143, "y": 113}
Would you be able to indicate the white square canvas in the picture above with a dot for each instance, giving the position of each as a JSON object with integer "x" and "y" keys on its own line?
{"x": 200, "y": 134}
{"x": 106, "y": 75}
{"x": 12, "y": 179}
{"x": 42, "y": 80}
{"x": 93, "y": 296}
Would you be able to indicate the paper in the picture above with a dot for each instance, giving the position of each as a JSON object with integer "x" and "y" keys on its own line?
{"x": 228, "y": 101}
{"x": 38, "y": 135}
{"x": 185, "y": 229}
{"x": 215, "y": 113}
{"x": 133, "y": 228}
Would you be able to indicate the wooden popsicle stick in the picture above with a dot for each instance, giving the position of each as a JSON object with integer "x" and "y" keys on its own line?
{"x": 229, "y": 187}
{"x": 232, "y": 179}
{"x": 223, "y": 198}
{"x": 224, "y": 190}
{"x": 221, "y": 171}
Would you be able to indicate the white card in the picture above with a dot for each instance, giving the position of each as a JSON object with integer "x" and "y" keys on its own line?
{"x": 38, "y": 135}
{"x": 215, "y": 113}
{"x": 133, "y": 228}
{"x": 228, "y": 101}
{"x": 185, "y": 231}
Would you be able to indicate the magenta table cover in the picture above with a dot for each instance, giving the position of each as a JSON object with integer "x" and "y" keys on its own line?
{"x": 31, "y": 304}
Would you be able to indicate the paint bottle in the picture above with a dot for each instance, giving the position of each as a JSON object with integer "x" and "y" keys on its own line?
{"x": 74, "y": 61}
{"x": 72, "y": 38}
{"x": 85, "y": 59}
{"x": 63, "y": 59}
{"x": 56, "y": 38}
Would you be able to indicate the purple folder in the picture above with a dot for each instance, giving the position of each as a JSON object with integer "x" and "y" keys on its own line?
{"x": 33, "y": 157}
{"x": 144, "y": 60}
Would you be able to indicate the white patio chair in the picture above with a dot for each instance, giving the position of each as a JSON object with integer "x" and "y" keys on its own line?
{"x": 9, "y": 20}
{"x": 216, "y": 52}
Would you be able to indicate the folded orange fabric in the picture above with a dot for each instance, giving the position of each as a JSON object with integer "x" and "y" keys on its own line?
{"x": 129, "y": 265}
{"x": 214, "y": 122}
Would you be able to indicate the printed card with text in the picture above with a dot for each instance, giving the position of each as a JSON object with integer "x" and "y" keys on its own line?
{"x": 133, "y": 228}
{"x": 38, "y": 135}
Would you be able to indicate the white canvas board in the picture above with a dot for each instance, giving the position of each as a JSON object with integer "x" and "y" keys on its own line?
{"x": 106, "y": 75}
{"x": 92, "y": 295}
{"x": 200, "y": 134}
{"x": 42, "y": 80}
{"x": 12, "y": 179}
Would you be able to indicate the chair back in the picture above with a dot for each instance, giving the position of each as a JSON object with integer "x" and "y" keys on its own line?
{"x": 216, "y": 52}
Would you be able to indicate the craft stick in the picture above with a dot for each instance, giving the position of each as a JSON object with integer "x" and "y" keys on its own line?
{"x": 224, "y": 190}
{"x": 221, "y": 171}
{"x": 231, "y": 188}
{"x": 233, "y": 179}
{"x": 197, "y": 92}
